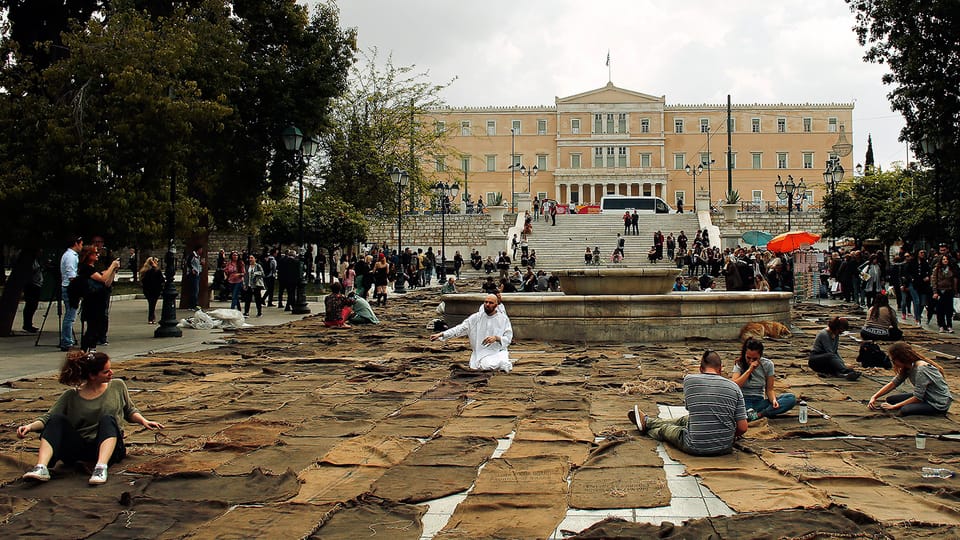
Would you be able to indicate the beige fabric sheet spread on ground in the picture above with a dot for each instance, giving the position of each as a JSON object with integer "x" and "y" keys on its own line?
{"x": 303, "y": 431}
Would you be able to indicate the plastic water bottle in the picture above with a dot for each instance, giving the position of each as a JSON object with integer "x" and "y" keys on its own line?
{"x": 932, "y": 472}
{"x": 803, "y": 412}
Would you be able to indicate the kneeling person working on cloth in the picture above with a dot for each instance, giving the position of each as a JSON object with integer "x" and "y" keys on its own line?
{"x": 716, "y": 416}
{"x": 490, "y": 334}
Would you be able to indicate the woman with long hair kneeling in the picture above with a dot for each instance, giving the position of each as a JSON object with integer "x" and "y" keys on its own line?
{"x": 84, "y": 424}
{"x": 931, "y": 395}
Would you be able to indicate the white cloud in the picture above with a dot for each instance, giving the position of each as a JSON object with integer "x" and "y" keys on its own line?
{"x": 527, "y": 52}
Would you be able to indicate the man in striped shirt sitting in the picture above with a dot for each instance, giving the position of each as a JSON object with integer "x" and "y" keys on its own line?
{"x": 716, "y": 410}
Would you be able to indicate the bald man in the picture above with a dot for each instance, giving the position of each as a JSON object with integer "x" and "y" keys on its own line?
{"x": 490, "y": 333}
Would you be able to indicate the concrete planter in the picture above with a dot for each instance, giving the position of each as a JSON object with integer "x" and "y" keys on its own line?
{"x": 496, "y": 213}
{"x": 730, "y": 213}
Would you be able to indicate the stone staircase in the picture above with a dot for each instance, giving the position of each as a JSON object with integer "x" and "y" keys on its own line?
{"x": 562, "y": 246}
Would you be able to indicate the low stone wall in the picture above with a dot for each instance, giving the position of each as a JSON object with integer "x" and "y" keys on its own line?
{"x": 773, "y": 222}
{"x": 463, "y": 233}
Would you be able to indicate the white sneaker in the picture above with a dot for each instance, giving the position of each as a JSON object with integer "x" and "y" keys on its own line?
{"x": 38, "y": 473}
{"x": 99, "y": 475}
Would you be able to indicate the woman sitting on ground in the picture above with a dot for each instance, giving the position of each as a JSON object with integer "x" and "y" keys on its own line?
{"x": 931, "y": 395}
{"x": 754, "y": 374}
{"x": 337, "y": 307}
{"x": 506, "y": 286}
{"x": 825, "y": 357}
{"x": 881, "y": 321}
{"x": 84, "y": 424}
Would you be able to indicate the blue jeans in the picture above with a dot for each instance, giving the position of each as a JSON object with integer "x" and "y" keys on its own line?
{"x": 762, "y": 405}
{"x": 919, "y": 301}
{"x": 69, "y": 315}
{"x": 235, "y": 295}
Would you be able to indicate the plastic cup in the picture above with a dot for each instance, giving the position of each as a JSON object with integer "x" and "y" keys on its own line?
{"x": 921, "y": 441}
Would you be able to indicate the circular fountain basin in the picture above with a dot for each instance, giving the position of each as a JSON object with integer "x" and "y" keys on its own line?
{"x": 628, "y": 318}
{"x": 617, "y": 281}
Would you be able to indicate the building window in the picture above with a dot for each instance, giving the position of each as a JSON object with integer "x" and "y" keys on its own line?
{"x": 542, "y": 195}
{"x": 731, "y": 160}
{"x": 441, "y": 126}
{"x": 705, "y": 159}
{"x": 679, "y": 160}
{"x": 832, "y": 124}
{"x": 757, "y": 195}
{"x": 807, "y": 125}
{"x": 611, "y": 163}
{"x": 465, "y": 164}
{"x": 517, "y": 161}
{"x": 575, "y": 126}
{"x": 441, "y": 164}
{"x": 609, "y": 123}
{"x": 809, "y": 195}
{"x": 598, "y": 157}
{"x": 757, "y": 158}
{"x": 574, "y": 161}
{"x": 781, "y": 160}
{"x": 644, "y": 125}
{"x": 645, "y": 160}
{"x": 704, "y": 125}
{"x": 491, "y": 198}
{"x": 679, "y": 196}
{"x": 542, "y": 162}
{"x": 755, "y": 125}
{"x": 781, "y": 125}
{"x": 597, "y": 124}
{"x": 808, "y": 160}
{"x": 541, "y": 127}
{"x": 622, "y": 122}
{"x": 622, "y": 156}
{"x": 516, "y": 127}
{"x": 465, "y": 128}
{"x": 732, "y": 125}
{"x": 491, "y": 127}
{"x": 491, "y": 163}
{"x": 678, "y": 125}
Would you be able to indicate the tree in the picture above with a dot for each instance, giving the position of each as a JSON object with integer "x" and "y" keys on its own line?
{"x": 381, "y": 122}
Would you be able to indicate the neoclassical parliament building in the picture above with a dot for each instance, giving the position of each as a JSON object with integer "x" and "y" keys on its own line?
{"x": 617, "y": 141}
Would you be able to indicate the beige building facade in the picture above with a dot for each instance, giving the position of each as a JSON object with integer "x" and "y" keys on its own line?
{"x": 616, "y": 141}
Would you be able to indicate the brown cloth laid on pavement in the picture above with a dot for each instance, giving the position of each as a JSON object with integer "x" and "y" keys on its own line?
{"x": 621, "y": 474}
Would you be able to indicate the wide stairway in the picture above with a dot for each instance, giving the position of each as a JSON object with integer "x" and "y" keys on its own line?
{"x": 563, "y": 245}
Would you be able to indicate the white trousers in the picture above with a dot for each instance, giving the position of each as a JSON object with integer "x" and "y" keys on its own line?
{"x": 499, "y": 361}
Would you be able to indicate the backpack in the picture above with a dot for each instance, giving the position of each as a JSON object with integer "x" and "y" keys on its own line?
{"x": 76, "y": 290}
{"x": 872, "y": 356}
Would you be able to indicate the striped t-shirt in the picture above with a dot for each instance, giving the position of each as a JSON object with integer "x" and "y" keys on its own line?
{"x": 715, "y": 404}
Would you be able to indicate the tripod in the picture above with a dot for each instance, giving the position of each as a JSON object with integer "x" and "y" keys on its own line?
{"x": 46, "y": 313}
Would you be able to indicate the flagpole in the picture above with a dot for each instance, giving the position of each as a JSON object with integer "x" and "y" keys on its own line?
{"x": 609, "y": 76}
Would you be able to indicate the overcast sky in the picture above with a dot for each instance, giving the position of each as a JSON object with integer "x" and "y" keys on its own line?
{"x": 527, "y": 52}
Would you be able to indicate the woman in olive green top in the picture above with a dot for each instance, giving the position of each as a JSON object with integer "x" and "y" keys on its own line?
{"x": 84, "y": 424}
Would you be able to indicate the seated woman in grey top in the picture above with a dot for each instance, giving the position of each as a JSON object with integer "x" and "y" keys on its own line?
{"x": 931, "y": 395}
{"x": 825, "y": 356}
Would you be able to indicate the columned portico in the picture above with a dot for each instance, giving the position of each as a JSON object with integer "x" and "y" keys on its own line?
{"x": 574, "y": 186}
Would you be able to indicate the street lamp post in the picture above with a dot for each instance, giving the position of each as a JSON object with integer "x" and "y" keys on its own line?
{"x": 303, "y": 148}
{"x": 786, "y": 191}
{"x": 401, "y": 180}
{"x": 446, "y": 192}
{"x": 931, "y": 147}
{"x": 832, "y": 176}
{"x": 169, "y": 326}
{"x": 694, "y": 172}
{"x": 528, "y": 173}
{"x": 513, "y": 166}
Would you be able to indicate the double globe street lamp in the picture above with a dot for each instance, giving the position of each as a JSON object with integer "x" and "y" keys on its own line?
{"x": 832, "y": 176}
{"x": 401, "y": 179}
{"x": 529, "y": 173}
{"x": 694, "y": 172}
{"x": 785, "y": 191}
{"x": 446, "y": 193}
{"x": 303, "y": 148}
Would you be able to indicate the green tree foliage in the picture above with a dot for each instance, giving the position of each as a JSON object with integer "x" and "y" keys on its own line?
{"x": 920, "y": 43}
{"x": 378, "y": 124}
{"x": 328, "y": 222}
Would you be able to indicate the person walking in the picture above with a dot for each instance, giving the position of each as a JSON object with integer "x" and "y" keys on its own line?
{"x": 269, "y": 277}
{"x": 943, "y": 282}
{"x": 253, "y": 286}
{"x": 151, "y": 280}
{"x": 234, "y": 273}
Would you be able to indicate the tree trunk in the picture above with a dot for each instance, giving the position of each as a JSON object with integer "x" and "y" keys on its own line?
{"x": 10, "y": 301}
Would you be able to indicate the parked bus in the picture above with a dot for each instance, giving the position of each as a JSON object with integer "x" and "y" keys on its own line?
{"x": 619, "y": 203}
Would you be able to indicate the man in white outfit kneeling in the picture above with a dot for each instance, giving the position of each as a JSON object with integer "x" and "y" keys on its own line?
{"x": 490, "y": 333}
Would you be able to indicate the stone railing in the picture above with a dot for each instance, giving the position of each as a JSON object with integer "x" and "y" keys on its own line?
{"x": 463, "y": 233}
{"x": 773, "y": 220}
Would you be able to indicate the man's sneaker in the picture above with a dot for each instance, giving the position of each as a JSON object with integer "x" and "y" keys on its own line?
{"x": 638, "y": 419}
{"x": 851, "y": 375}
{"x": 99, "y": 475}
{"x": 752, "y": 415}
{"x": 38, "y": 473}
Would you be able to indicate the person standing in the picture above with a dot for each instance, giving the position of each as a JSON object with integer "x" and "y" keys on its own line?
{"x": 31, "y": 294}
{"x": 234, "y": 272}
{"x": 626, "y": 222}
{"x": 270, "y": 277}
{"x": 490, "y": 333}
{"x": 635, "y": 223}
{"x": 536, "y": 209}
{"x": 621, "y": 242}
{"x": 253, "y": 286}
{"x": 943, "y": 282}
{"x": 457, "y": 263}
{"x": 96, "y": 299}
{"x": 380, "y": 279}
{"x": 672, "y": 247}
{"x": 717, "y": 414}
{"x": 553, "y": 213}
{"x": 69, "y": 263}
{"x": 679, "y": 205}
{"x": 151, "y": 280}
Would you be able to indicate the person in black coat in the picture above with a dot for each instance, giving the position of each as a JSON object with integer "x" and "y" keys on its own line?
{"x": 288, "y": 270}
{"x": 151, "y": 279}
